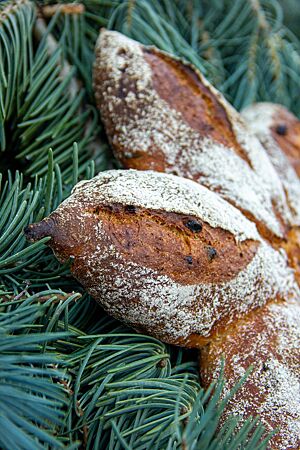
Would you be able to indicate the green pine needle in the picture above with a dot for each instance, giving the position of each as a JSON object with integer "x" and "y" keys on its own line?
{"x": 33, "y": 398}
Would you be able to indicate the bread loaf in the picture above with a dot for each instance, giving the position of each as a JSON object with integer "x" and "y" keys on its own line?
{"x": 276, "y": 128}
{"x": 161, "y": 114}
{"x": 279, "y": 132}
{"x": 172, "y": 259}
{"x": 269, "y": 341}
{"x": 210, "y": 264}
{"x": 154, "y": 249}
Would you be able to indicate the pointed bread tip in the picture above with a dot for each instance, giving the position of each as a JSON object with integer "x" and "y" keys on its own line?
{"x": 36, "y": 231}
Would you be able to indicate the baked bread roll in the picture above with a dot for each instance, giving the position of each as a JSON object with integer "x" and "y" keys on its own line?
{"x": 276, "y": 127}
{"x": 165, "y": 255}
{"x": 269, "y": 341}
{"x": 161, "y": 114}
{"x": 279, "y": 132}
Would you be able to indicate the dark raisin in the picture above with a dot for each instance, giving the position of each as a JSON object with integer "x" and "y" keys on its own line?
{"x": 189, "y": 259}
{"x": 281, "y": 129}
{"x": 194, "y": 226}
{"x": 130, "y": 208}
{"x": 212, "y": 253}
{"x": 265, "y": 367}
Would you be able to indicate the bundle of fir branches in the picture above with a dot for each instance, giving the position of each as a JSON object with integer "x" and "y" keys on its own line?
{"x": 71, "y": 377}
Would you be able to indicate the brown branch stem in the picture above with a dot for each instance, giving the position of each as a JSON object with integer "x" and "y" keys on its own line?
{"x": 67, "y": 8}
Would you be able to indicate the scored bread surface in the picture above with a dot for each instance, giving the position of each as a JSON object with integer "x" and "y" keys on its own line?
{"x": 212, "y": 264}
{"x": 206, "y": 140}
{"x": 160, "y": 294}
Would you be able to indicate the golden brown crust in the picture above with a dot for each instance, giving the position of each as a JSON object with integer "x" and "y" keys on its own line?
{"x": 165, "y": 271}
{"x": 269, "y": 341}
{"x": 292, "y": 248}
{"x": 182, "y": 247}
{"x": 182, "y": 89}
{"x": 161, "y": 114}
{"x": 279, "y": 132}
{"x": 285, "y": 130}
{"x": 133, "y": 158}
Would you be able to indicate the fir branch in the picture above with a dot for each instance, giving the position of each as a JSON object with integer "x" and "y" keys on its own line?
{"x": 125, "y": 387}
{"x": 41, "y": 298}
{"x": 134, "y": 389}
{"x": 66, "y": 71}
{"x": 36, "y": 107}
{"x": 24, "y": 203}
{"x": 261, "y": 69}
{"x": 67, "y": 8}
{"x": 242, "y": 47}
{"x": 33, "y": 398}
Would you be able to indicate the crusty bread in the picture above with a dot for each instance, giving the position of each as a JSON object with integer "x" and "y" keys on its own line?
{"x": 279, "y": 132}
{"x": 154, "y": 249}
{"x": 161, "y": 114}
{"x": 210, "y": 264}
{"x": 275, "y": 126}
{"x": 174, "y": 260}
{"x": 269, "y": 341}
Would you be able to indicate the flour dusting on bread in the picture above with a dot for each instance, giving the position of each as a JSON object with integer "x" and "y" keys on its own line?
{"x": 262, "y": 117}
{"x": 148, "y": 299}
{"x": 167, "y": 192}
{"x": 139, "y": 122}
{"x": 172, "y": 311}
{"x": 270, "y": 342}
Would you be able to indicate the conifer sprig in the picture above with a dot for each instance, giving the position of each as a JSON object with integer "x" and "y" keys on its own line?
{"x": 33, "y": 397}
{"x": 107, "y": 387}
{"x": 24, "y": 203}
{"x": 39, "y": 106}
{"x": 243, "y": 47}
{"x": 81, "y": 378}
